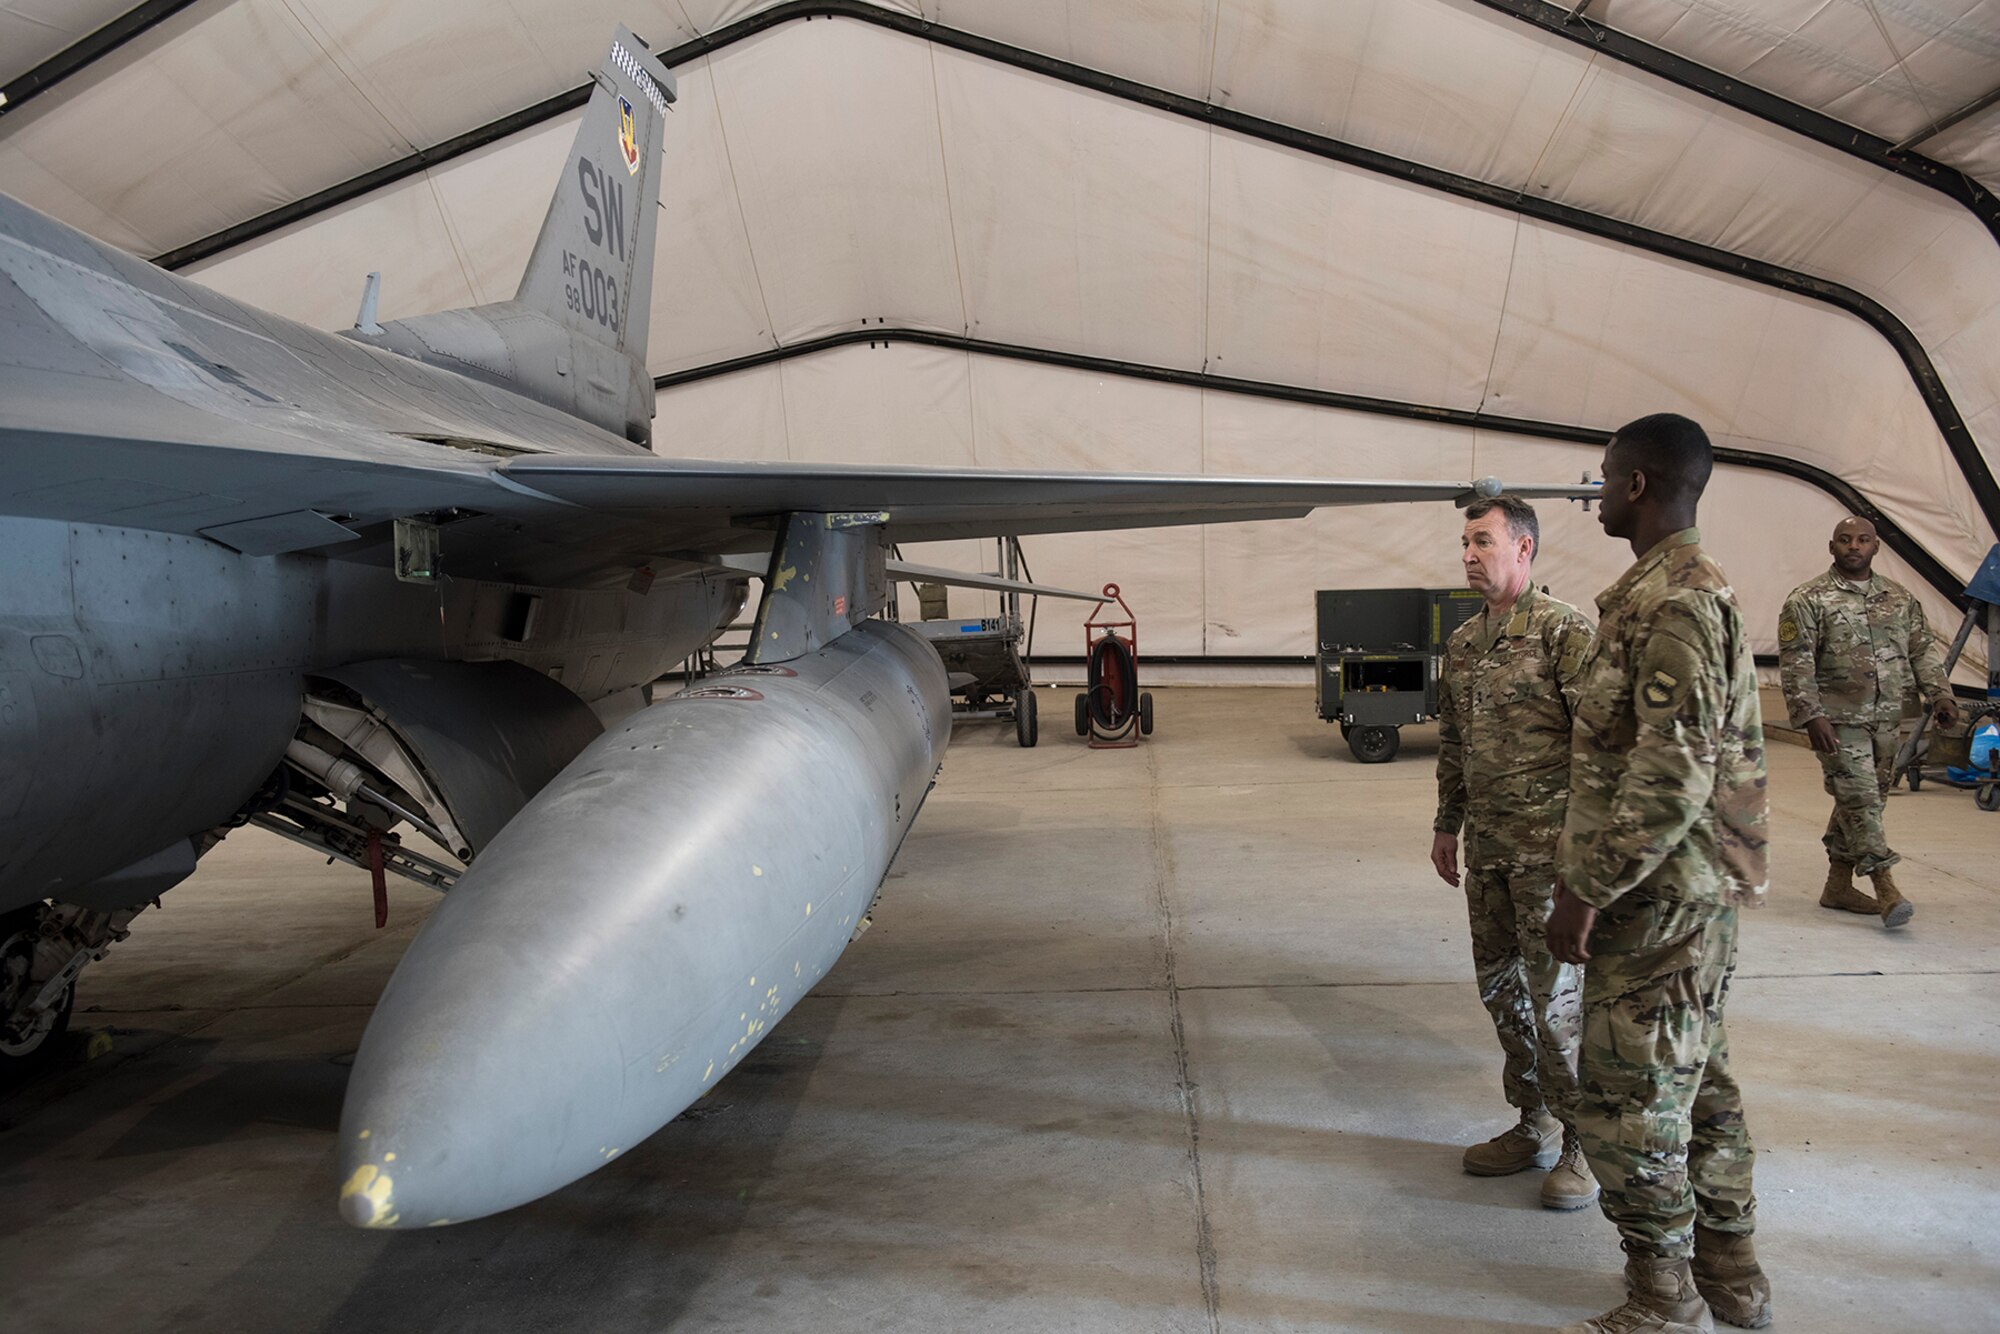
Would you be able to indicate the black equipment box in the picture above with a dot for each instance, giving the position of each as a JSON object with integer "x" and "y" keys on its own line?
{"x": 1380, "y": 652}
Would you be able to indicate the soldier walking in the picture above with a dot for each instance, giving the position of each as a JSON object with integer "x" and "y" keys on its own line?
{"x": 1664, "y": 839}
{"x": 1505, "y": 696}
{"x": 1852, "y": 644}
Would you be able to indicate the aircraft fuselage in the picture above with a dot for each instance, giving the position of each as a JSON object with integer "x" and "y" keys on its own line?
{"x": 149, "y": 681}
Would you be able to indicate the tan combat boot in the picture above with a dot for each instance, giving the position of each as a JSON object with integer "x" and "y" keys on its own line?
{"x": 1896, "y": 909}
{"x": 1532, "y": 1143}
{"x": 1729, "y": 1279}
{"x": 1569, "y": 1184}
{"x": 1662, "y": 1300}
{"x": 1840, "y": 891}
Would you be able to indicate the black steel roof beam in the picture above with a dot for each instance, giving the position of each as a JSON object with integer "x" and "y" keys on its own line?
{"x": 1933, "y": 571}
{"x": 1958, "y": 439}
{"x": 80, "y": 54}
{"x": 1768, "y": 106}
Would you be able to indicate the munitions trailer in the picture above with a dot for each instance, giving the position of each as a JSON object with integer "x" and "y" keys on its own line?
{"x": 1380, "y": 651}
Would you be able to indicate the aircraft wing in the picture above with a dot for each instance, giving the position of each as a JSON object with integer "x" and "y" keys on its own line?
{"x": 578, "y": 520}
{"x": 928, "y": 504}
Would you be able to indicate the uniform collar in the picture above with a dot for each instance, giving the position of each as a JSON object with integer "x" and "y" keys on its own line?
{"x": 1516, "y": 623}
{"x": 1643, "y": 568}
{"x": 1842, "y": 581}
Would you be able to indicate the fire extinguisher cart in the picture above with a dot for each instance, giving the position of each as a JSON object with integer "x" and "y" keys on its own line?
{"x": 1112, "y": 711}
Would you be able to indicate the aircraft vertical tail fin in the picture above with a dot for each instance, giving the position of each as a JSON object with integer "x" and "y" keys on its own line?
{"x": 574, "y": 336}
{"x": 592, "y": 267}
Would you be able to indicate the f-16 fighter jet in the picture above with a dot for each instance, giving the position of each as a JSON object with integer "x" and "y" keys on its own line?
{"x": 361, "y": 586}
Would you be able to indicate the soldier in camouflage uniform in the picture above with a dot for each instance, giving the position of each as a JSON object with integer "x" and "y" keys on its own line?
{"x": 1664, "y": 840}
{"x": 1505, "y": 695}
{"x": 1852, "y": 645}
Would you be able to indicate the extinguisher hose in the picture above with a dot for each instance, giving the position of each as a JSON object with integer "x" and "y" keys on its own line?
{"x": 1113, "y": 683}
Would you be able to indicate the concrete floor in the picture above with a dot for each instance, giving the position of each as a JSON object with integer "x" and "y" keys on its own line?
{"x": 1179, "y": 1038}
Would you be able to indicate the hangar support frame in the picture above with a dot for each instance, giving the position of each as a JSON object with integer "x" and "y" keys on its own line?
{"x": 1934, "y": 572}
{"x": 1930, "y": 386}
{"x": 1575, "y": 26}
{"x": 1944, "y": 412}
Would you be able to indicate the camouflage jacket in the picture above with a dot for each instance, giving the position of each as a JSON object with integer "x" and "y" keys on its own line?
{"x": 1505, "y": 698}
{"x": 1667, "y": 761}
{"x": 1851, "y": 652}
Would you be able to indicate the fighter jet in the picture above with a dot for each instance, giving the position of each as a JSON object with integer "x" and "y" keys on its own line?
{"x": 360, "y": 586}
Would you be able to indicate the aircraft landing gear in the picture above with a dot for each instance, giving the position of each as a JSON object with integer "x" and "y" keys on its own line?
{"x": 27, "y": 1029}
{"x": 42, "y": 949}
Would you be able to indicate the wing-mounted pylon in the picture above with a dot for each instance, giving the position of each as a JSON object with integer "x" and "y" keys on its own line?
{"x": 828, "y": 573}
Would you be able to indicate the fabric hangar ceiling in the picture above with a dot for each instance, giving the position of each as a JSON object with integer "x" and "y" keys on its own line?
{"x": 1106, "y": 233}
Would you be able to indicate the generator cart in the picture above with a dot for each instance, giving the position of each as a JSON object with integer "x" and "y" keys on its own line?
{"x": 1380, "y": 651}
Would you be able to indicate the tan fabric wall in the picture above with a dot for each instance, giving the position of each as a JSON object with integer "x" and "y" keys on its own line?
{"x": 1236, "y": 590}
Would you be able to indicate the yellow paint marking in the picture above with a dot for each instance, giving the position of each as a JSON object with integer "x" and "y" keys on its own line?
{"x": 785, "y": 576}
{"x": 364, "y": 1134}
{"x": 372, "y": 1184}
{"x": 388, "y": 1157}
{"x": 756, "y": 869}
{"x": 439, "y": 1222}
{"x": 753, "y": 979}
{"x": 809, "y": 910}
{"x": 796, "y": 965}
{"x": 706, "y": 1073}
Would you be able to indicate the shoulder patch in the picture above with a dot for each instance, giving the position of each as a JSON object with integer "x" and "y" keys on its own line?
{"x": 1788, "y": 631}
{"x": 1667, "y": 674}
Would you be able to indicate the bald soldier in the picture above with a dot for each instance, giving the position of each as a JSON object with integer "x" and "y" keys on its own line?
{"x": 1504, "y": 700}
{"x": 1663, "y": 842}
{"x": 1851, "y": 645}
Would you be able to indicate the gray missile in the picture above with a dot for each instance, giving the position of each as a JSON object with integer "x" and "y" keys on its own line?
{"x": 638, "y": 928}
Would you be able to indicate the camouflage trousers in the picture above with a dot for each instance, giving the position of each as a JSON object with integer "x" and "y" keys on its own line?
{"x": 1659, "y": 1114}
{"x": 1858, "y": 776}
{"x": 1535, "y": 1000}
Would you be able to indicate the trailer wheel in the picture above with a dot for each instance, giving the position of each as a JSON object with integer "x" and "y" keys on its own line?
{"x": 1145, "y": 713}
{"x": 1915, "y": 773}
{"x": 1083, "y": 715}
{"x": 1375, "y": 745}
{"x": 1988, "y": 797}
{"x": 1025, "y": 723}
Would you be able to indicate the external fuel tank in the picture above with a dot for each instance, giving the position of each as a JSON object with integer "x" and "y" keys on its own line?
{"x": 638, "y": 928}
